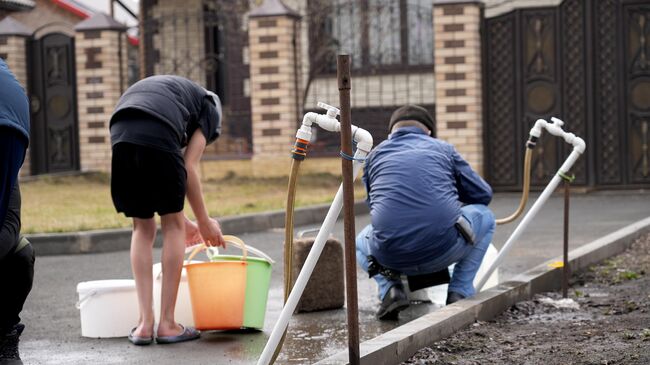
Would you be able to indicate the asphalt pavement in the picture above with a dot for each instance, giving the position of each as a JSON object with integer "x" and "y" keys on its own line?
{"x": 53, "y": 336}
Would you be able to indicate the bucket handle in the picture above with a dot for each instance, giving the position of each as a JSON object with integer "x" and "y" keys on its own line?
{"x": 214, "y": 251}
{"x": 259, "y": 253}
{"x": 82, "y": 301}
{"x": 230, "y": 239}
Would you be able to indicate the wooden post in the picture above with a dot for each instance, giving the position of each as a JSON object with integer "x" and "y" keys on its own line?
{"x": 343, "y": 75}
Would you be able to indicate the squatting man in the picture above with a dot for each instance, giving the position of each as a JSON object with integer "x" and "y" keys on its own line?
{"x": 428, "y": 210}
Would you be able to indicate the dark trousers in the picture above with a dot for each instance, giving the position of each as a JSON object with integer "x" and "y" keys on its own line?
{"x": 16, "y": 268}
{"x": 16, "y": 277}
{"x": 12, "y": 156}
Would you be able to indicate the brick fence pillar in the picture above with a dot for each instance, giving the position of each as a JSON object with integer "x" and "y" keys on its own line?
{"x": 274, "y": 36}
{"x": 101, "y": 78}
{"x": 13, "y": 49}
{"x": 457, "y": 54}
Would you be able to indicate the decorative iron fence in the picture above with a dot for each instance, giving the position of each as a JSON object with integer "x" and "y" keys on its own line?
{"x": 205, "y": 43}
{"x": 391, "y": 44}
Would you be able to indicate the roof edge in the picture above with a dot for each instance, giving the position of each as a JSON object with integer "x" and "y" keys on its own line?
{"x": 273, "y": 8}
{"x": 10, "y": 26}
{"x": 100, "y": 21}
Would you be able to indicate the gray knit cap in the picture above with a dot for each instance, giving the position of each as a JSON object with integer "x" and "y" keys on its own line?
{"x": 413, "y": 112}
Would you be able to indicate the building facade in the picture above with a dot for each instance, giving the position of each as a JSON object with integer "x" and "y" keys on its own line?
{"x": 74, "y": 65}
{"x": 485, "y": 69}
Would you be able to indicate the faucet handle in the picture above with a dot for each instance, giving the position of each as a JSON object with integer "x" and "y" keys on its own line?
{"x": 332, "y": 112}
{"x": 557, "y": 121}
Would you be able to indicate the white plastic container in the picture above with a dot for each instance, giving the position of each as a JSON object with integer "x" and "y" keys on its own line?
{"x": 183, "y": 311}
{"x": 489, "y": 258}
{"x": 108, "y": 308}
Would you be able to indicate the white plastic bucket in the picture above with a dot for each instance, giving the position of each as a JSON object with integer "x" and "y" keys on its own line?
{"x": 183, "y": 311}
{"x": 108, "y": 308}
{"x": 438, "y": 294}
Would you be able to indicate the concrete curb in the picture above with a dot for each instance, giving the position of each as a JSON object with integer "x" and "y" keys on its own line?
{"x": 399, "y": 344}
{"x": 111, "y": 240}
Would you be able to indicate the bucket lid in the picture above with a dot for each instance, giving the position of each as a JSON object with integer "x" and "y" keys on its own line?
{"x": 105, "y": 286}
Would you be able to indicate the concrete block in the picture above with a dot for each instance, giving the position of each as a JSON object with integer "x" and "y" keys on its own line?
{"x": 325, "y": 288}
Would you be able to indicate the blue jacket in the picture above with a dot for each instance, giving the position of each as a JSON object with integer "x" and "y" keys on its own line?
{"x": 416, "y": 186}
{"x": 14, "y": 107}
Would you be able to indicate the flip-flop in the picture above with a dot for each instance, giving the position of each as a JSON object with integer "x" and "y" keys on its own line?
{"x": 188, "y": 334}
{"x": 139, "y": 341}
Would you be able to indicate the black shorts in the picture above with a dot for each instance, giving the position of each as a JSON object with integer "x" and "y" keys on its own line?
{"x": 146, "y": 180}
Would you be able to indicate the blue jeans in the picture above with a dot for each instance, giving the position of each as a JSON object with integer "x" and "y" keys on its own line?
{"x": 467, "y": 258}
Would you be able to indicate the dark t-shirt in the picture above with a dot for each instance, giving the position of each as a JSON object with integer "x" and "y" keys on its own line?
{"x": 163, "y": 112}
{"x": 137, "y": 127}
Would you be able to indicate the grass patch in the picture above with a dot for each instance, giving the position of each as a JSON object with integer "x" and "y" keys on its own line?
{"x": 75, "y": 203}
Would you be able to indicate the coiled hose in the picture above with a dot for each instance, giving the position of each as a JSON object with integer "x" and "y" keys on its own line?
{"x": 298, "y": 154}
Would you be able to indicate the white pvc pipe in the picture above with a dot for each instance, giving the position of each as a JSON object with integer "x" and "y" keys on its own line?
{"x": 578, "y": 148}
{"x": 328, "y": 122}
{"x": 308, "y": 267}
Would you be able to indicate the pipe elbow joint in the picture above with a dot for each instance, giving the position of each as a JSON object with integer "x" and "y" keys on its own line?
{"x": 363, "y": 138}
{"x": 536, "y": 131}
{"x": 309, "y": 119}
{"x": 579, "y": 145}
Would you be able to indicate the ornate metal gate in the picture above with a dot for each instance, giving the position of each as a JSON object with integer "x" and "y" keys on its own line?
{"x": 54, "y": 144}
{"x": 587, "y": 62}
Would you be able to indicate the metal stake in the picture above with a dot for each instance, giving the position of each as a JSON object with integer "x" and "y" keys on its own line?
{"x": 343, "y": 76}
{"x": 565, "y": 267}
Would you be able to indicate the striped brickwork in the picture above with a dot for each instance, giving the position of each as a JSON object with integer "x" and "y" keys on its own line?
{"x": 274, "y": 83}
{"x": 458, "y": 77}
{"x": 99, "y": 87}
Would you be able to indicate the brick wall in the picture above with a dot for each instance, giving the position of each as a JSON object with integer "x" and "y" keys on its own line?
{"x": 458, "y": 78}
{"x": 274, "y": 96}
{"x": 46, "y": 12}
{"x": 12, "y": 50}
{"x": 98, "y": 89}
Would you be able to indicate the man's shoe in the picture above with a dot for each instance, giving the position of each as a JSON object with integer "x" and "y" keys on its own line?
{"x": 394, "y": 302}
{"x": 9, "y": 346}
{"x": 453, "y": 297}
